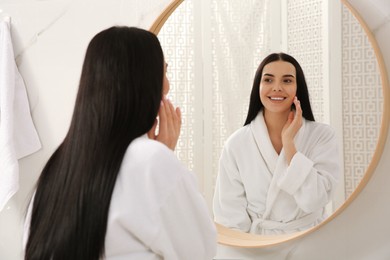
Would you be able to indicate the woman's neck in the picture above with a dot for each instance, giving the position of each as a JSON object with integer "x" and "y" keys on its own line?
{"x": 275, "y": 121}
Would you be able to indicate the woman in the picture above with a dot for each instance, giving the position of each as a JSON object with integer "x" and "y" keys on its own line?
{"x": 279, "y": 171}
{"x": 113, "y": 189}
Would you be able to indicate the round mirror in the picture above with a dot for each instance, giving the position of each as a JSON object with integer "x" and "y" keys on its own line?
{"x": 213, "y": 49}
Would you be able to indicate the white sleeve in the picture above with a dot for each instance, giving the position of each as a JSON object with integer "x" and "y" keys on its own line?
{"x": 186, "y": 228}
{"x": 230, "y": 203}
{"x": 316, "y": 174}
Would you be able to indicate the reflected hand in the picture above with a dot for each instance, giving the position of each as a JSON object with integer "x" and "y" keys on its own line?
{"x": 169, "y": 125}
{"x": 290, "y": 130}
{"x": 293, "y": 124}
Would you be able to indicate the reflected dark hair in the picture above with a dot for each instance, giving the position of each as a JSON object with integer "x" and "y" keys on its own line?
{"x": 118, "y": 99}
{"x": 255, "y": 104}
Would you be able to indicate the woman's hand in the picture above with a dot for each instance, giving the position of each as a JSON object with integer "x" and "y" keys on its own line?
{"x": 169, "y": 125}
{"x": 290, "y": 130}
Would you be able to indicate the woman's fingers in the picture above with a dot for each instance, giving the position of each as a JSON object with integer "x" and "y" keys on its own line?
{"x": 298, "y": 113}
{"x": 174, "y": 123}
{"x": 170, "y": 111}
{"x": 175, "y": 119}
{"x": 298, "y": 106}
{"x": 293, "y": 123}
{"x": 290, "y": 117}
{"x": 169, "y": 124}
{"x": 178, "y": 121}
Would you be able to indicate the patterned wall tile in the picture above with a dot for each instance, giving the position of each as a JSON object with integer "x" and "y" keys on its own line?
{"x": 177, "y": 40}
{"x": 305, "y": 43}
{"x": 362, "y": 97}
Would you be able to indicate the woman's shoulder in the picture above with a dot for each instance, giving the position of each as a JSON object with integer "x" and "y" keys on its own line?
{"x": 152, "y": 161}
{"x": 239, "y": 135}
{"x": 143, "y": 148}
{"x": 318, "y": 126}
{"x": 319, "y": 130}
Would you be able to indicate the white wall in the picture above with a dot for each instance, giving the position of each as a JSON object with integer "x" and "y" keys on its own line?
{"x": 50, "y": 39}
{"x": 51, "y": 67}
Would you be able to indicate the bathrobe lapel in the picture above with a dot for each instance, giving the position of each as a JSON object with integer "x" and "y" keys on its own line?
{"x": 263, "y": 142}
{"x": 276, "y": 164}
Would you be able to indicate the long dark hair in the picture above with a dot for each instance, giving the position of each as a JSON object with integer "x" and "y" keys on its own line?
{"x": 118, "y": 99}
{"x": 255, "y": 104}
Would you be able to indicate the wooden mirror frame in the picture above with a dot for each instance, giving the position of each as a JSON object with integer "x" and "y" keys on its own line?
{"x": 229, "y": 237}
{"x": 163, "y": 17}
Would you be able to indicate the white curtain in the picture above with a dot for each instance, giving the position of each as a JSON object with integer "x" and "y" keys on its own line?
{"x": 240, "y": 40}
{"x": 213, "y": 48}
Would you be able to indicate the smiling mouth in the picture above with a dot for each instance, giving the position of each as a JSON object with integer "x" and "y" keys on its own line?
{"x": 277, "y": 98}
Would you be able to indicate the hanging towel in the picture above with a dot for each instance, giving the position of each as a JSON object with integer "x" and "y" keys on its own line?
{"x": 18, "y": 137}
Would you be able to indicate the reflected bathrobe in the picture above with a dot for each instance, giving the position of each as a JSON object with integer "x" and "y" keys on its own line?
{"x": 258, "y": 192}
{"x": 156, "y": 210}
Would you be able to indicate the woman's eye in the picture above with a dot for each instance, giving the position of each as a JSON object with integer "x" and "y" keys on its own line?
{"x": 267, "y": 80}
{"x": 287, "y": 80}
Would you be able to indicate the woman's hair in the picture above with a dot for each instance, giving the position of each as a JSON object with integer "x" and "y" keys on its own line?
{"x": 118, "y": 99}
{"x": 255, "y": 104}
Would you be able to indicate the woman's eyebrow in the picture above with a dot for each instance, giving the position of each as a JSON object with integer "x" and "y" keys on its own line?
{"x": 269, "y": 75}
{"x": 288, "y": 76}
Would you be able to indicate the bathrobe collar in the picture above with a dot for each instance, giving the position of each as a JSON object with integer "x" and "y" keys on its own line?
{"x": 263, "y": 141}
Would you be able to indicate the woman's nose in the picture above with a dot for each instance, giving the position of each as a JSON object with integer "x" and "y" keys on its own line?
{"x": 277, "y": 87}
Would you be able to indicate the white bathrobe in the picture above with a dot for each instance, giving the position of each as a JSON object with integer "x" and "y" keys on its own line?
{"x": 258, "y": 192}
{"x": 157, "y": 211}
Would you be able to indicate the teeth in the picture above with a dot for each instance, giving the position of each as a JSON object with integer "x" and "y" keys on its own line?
{"x": 277, "y": 98}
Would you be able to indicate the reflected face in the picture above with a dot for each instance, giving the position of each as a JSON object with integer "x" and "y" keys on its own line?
{"x": 278, "y": 86}
{"x": 166, "y": 86}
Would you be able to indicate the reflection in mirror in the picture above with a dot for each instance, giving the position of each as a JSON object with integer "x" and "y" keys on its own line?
{"x": 214, "y": 47}
{"x": 279, "y": 171}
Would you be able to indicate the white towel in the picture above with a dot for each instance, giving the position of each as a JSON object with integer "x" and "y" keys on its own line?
{"x": 18, "y": 137}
